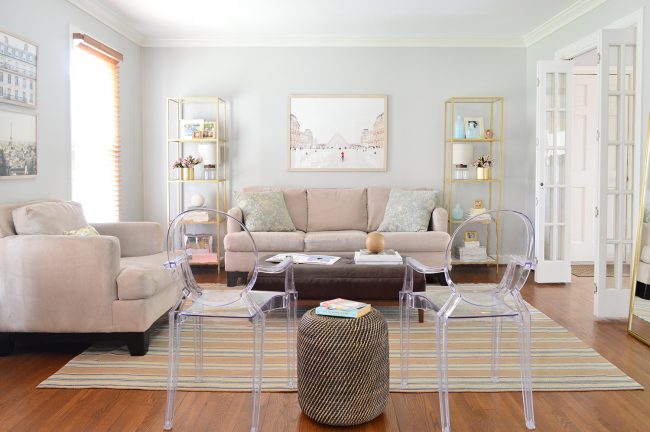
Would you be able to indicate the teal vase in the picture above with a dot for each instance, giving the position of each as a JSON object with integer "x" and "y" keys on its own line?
{"x": 457, "y": 212}
{"x": 459, "y": 128}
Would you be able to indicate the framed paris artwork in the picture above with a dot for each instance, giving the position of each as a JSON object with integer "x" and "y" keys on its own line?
{"x": 18, "y": 58}
{"x": 17, "y": 145}
{"x": 338, "y": 132}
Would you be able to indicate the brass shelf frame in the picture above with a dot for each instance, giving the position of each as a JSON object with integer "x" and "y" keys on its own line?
{"x": 495, "y": 184}
{"x": 175, "y": 187}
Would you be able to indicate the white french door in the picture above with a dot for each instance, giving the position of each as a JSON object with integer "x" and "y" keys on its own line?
{"x": 552, "y": 174}
{"x": 617, "y": 167}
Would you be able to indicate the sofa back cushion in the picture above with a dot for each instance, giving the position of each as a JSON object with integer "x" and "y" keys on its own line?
{"x": 377, "y": 201}
{"x": 52, "y": 218}
{"x": 7, "y": 219}
{"x": 337, "y": 209}
{"x": 296, "y": 201}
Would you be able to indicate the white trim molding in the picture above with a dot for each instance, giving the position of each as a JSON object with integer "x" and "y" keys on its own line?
{"x": 314, "y": 41}
{"x": 109, "y": 18}
{"x": 569, "y": 14}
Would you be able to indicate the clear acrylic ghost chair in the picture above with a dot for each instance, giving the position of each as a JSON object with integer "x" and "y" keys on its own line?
{"x": 493, "y": 301}
{"x": 241, "y": 302}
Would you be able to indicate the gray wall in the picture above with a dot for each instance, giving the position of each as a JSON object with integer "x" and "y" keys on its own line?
{"x": 47, "y": 23}
{"x": 257, "y": 82}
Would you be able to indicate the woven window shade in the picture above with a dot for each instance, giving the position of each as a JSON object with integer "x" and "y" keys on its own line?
{"x": 96, "y": 138}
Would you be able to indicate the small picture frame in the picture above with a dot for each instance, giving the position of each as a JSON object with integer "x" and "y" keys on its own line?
{"x": 474, "y": 127}
{"x": 208, "y": 129}
{"x": 188, "y": 128}
{"x": 478, "y": 203}
{"x": 197, "y": 134}
{"x": 471, "y": 236}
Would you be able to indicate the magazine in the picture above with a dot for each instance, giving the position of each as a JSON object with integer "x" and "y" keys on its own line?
{"x": 305, "y": 259}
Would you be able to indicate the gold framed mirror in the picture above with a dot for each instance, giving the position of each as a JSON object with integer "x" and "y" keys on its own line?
{"x": 639, "y": 318}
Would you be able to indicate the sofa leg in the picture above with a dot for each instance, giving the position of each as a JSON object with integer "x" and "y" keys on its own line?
{"x": 232, "y": 278}
{"x": 138, "y": 343}
{"x": 6, "y": 344}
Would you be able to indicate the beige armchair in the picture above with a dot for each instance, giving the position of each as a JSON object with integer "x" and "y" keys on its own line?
{"x": 112, "y": 283}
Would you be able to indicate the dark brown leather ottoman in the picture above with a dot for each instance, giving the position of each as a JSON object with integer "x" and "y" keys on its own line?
{"x": 343, "y": 279}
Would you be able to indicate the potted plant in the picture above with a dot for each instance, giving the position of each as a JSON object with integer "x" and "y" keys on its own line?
{"x": 483, "y": 165}
{"x": 187, "y": 164}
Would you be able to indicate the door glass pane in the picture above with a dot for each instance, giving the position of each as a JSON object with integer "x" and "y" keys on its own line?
{"x": 629, "y": 118}
{"x": 610, "y": 280}
{"x": 614, "y": 61}
{"x": 561, "y": 129}
{"x": 613, "y": 119}
{"x": 559, "y": 167}
{"x": 611, "y": 211}
{"x": 628, "y": 166}
{"x": 629, "y": 62}
{"x": 549, "y": 168}
{"x": 550, "y": 128}
{"x": 630, "y": 220}
{"x": 560, "y": 191}
{"x": 612, "y": 163}
{"x": 548, "y": 243}
{"x": 561, "y": 90}
{"x": 560, "y": 242}
{"x": 550, "y": 90}
{"x": 550, "y": 205}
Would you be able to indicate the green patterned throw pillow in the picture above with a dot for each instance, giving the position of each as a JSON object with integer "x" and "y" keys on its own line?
{"x": 265, "y": 211}
{"x": 408, "y": 211}
{"x": 86, "y": 231}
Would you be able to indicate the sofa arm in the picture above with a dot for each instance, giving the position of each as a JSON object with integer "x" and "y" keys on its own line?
{"x": 136, "y": 238}
{"x": 233, "y": 226}
{"x": 440, "y": 217}
{"x": 52, "y": 283}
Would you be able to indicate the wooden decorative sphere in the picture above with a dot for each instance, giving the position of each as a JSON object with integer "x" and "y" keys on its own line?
{"x": 375, "y": 242}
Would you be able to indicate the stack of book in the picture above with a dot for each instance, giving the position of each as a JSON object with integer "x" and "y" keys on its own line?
{"x": 343, "y": 308}
{"x": 472, "y": 253}
{"x": 481, "y": 216}
{"x": 386, "y": 257}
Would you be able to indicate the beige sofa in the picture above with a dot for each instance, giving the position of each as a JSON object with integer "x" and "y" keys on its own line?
{"x": 112, "y": 283}
{"x": 333, "y": 222}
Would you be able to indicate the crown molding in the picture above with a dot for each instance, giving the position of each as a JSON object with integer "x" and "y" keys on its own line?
{"x": 109, "y": 18}
{"x": 569, "y": 14}
{"x": 314, "y": 41}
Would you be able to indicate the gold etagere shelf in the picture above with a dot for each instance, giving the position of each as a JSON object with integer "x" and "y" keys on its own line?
{"x": 179, "y": 190}
{"x": 490, "y": 109}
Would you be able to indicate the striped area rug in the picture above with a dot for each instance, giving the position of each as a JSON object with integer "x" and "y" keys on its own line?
{"x": 642, "y": 308}
{"x": 561, "y": 362}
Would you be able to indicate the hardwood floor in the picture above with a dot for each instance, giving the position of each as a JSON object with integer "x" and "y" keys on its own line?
{"x": 25, "y": 408}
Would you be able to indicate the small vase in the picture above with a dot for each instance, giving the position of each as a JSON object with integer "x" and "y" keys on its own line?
{"x": 457, "y": 212}
{"x": 482, "y": 173}
{"x": 187, "y": 173}
{"x": 459, "y": 128}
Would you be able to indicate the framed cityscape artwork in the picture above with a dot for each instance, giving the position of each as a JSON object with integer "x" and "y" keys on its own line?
{"x": 18, "y": 59}
{"x": 338, "y": 133}
{"x": 17, "y": 145}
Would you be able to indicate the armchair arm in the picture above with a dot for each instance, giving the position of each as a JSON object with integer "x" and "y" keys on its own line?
{"x": 51, "y": 283}
{"x": 440, "y": 217}
{"x": 232, "y": 226}
{"x": 136, "y": 238}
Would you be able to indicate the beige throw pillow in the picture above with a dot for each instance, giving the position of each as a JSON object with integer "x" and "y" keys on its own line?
{"x": 265, "y": 212}
{"x": 408, "y": 211}
{"x": 52, "y": 218}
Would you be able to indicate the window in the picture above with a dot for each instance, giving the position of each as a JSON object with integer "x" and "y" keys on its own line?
{"x": 94, "y": 82}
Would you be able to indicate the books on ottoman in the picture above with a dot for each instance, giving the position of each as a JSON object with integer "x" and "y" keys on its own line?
{"x": 343, "y": 308}
{"x": 389, "y": 256}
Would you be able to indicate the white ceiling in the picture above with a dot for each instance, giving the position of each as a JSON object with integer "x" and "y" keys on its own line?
{"x": 413, "y": 22}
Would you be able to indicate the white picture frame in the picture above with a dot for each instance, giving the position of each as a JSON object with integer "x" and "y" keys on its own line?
{"x": 19, "y": 83}
{"x": 474, "y": 128}
{"x": 18, "y": 145}
{"x": 189, "y": 127}
{"x": 338, "y": 132}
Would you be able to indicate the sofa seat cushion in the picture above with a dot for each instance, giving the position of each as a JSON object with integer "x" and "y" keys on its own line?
{"x": 143, "y": 277}
{"x": 430, "y": 241}
{"x": 645, "y": 254}
{"x": 265, "y": 241}
{"x": 335, "y": 241}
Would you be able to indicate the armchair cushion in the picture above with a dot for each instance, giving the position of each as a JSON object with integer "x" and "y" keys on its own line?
{"x": 143, "y": 277}
{"x": 52, "y": 218}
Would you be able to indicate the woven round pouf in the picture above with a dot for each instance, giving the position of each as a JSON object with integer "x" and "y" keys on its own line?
{"x": 343, "y": 370}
